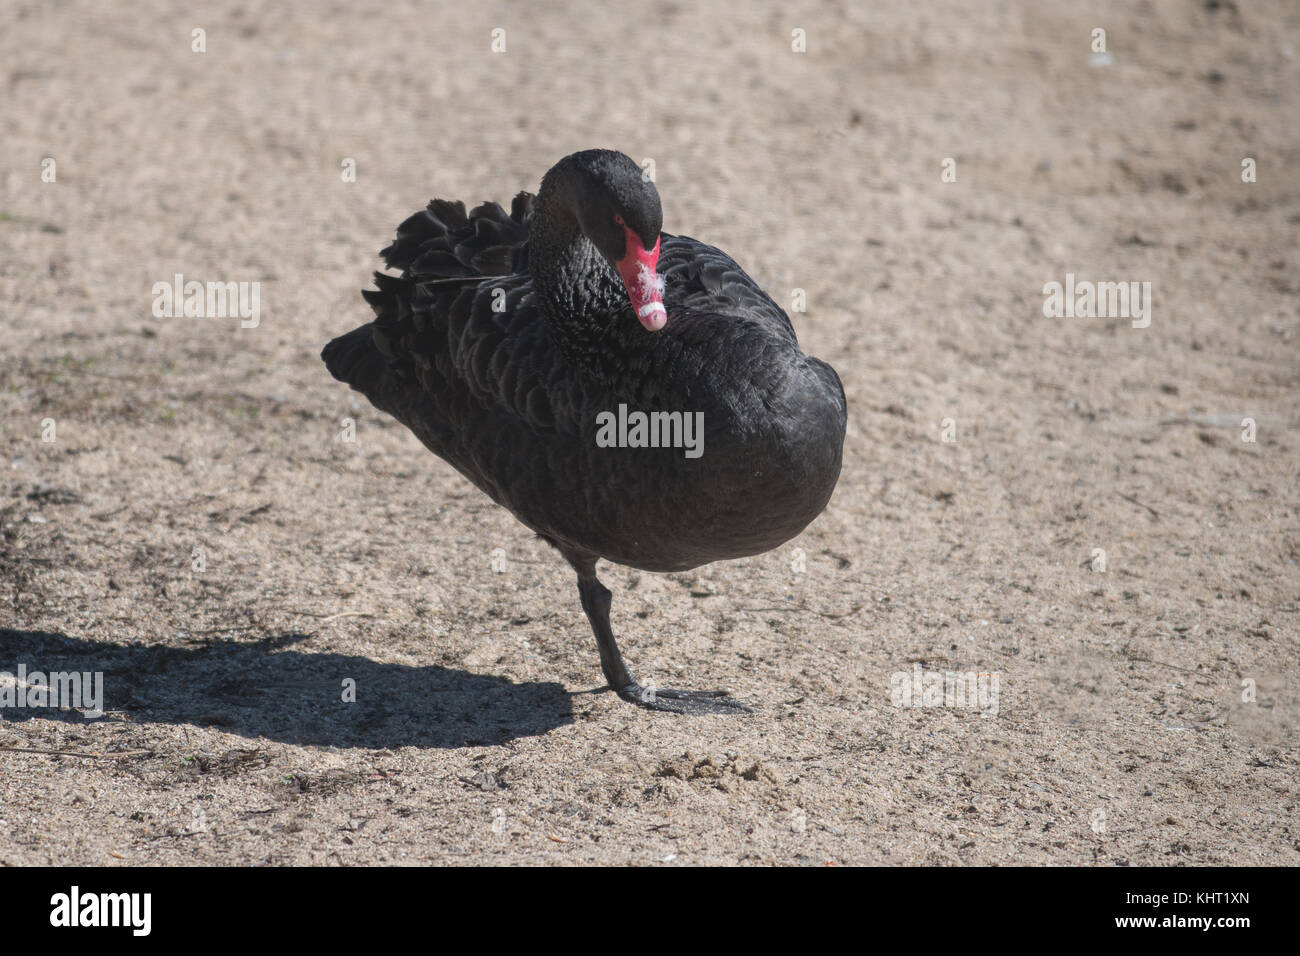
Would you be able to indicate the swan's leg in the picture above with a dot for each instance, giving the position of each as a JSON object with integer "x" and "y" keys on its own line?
{"x": 596, "y": 601}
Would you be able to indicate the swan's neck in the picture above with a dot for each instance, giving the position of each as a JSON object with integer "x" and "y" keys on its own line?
{"x": 578, "y": 291}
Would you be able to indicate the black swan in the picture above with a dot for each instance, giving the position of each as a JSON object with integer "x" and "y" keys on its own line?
{"x": 511, "y": 347}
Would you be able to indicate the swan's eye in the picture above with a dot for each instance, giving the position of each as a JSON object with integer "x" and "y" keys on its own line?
{"x": 618, "y": 219}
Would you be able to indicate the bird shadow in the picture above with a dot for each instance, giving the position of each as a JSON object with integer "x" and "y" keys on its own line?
{"x": 268, "y": 689}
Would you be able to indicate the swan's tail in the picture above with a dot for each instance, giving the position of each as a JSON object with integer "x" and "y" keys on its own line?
{"x": 353, "y": 358}
{"x": 441, "y": 242}
{"x": 438, "y": 249}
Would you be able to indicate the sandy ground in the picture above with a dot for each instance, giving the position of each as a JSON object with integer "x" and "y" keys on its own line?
{"x": 1147, "y": 711}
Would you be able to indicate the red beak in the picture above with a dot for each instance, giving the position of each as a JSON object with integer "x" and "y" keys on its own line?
{"x": 645, "y": 286}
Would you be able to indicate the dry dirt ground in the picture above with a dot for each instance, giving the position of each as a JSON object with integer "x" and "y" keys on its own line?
{"x": 1147, "y": 709}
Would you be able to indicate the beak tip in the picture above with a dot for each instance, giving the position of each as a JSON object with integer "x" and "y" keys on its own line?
{"x": 653, "y": 316}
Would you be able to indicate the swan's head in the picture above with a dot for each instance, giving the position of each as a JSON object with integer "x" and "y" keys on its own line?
{"x": 618, "y": 211}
